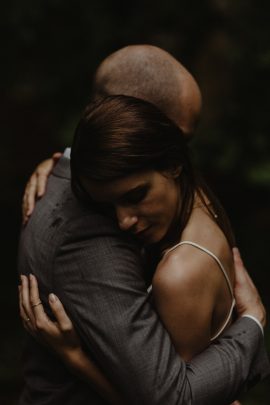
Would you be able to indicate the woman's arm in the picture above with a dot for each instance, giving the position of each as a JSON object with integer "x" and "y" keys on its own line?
{"x": 61, "y": 337}
{"x": 36, "y": 185}
{"x": 185, "y": 289}
{"x": 222, "y": 356}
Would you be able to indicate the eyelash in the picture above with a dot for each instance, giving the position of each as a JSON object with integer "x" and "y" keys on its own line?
{"x": 141, "y": 194}
{"x": 109, "y": 210}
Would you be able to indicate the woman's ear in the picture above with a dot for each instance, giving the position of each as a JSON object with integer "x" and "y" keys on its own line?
{"x": 173, "y": 173}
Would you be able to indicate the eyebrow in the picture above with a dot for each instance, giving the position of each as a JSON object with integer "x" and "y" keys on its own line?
{"x": 133, "y": 190}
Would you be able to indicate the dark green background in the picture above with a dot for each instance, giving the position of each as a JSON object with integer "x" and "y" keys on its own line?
{"x": 49, "y": 50}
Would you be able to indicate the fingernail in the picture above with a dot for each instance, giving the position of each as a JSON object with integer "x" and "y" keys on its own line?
{"x": 52, "y": 298}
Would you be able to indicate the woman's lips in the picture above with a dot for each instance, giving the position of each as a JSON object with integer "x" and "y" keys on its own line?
{"x": 143, "y": 232}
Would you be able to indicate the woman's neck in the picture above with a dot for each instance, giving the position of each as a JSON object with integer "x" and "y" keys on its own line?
{"x": 201, "y": 203}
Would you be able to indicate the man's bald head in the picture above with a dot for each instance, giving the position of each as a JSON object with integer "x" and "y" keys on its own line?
{"x": 152, "y": 74}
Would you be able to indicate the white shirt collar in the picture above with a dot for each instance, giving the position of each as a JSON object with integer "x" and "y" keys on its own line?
{"x": 67, "y": 153}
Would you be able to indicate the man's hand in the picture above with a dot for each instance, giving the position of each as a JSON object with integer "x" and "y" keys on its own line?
{"x": 248, "y": 301}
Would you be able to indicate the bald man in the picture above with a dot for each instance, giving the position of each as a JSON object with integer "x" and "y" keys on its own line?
{"x": 152, "y": 74}
{"x": 97, "y": 273}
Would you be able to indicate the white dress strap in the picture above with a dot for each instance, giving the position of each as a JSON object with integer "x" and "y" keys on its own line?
{"x": 187, "y": 242}
{"x": 196, "y": 245}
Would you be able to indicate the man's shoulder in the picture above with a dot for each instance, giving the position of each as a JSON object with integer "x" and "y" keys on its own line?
{"x": 59, "y": 211}
{"x": 60, "y": 223}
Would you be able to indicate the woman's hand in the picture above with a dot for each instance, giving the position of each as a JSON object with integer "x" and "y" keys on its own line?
{"x": 36, "y": 186}
{"x": 62, "y": 338}
{"x": 60, "y": 335}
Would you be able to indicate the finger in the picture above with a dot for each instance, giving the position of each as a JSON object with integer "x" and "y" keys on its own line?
{"x": 35, "y": 300}
{"x": 43, "y": 171}
{"x": 56, "y": 156}
{"x": 25, "y": 299}
{"x": 41, "y": 184}
{"x": 34, "y": 291}
{"x": 27, "y": 206}
{"x": 237, "y": 257}
{"x": 60, "y": 314}
{"x": 26, "y": 321}
{"x": 30, "y": 193}
{"x": 42, "y": 321}
{"x": 241, "y": 272}
{"x": 25, "y": 217}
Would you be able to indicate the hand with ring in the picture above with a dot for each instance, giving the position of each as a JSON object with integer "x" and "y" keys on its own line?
{"x": 59, "y": 335}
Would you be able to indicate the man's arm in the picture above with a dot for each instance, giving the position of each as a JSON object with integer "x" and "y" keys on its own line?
{"x": 99, "y": 279}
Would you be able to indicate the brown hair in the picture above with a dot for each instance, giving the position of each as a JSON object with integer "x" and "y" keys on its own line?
{"x": 122, "y": 135}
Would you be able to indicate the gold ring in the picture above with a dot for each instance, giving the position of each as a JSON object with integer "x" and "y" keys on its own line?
{"x": 35, "y": 305}
{"x": 27, "y": 320}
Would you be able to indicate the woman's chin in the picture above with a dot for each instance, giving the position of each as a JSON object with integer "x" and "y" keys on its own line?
{"x": 152, "y": 236}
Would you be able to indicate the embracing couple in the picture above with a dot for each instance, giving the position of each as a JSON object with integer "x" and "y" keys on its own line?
{"x": 148, "y": 301}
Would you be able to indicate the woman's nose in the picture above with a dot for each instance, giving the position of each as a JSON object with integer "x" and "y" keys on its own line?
{"x": 126, "y": 219}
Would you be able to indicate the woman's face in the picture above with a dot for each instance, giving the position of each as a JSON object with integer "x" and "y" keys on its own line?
{"x": 145, "y": 204}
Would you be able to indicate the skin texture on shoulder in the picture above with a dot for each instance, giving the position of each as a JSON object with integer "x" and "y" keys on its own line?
{"x": 185, "y": 287}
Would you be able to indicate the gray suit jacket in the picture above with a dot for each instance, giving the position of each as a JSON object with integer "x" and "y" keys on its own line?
{"x": 96, "y": 272}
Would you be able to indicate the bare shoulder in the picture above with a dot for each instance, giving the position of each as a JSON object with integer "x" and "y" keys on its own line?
{"x": 185, "y": 292}
{"x": 186, "y": 269}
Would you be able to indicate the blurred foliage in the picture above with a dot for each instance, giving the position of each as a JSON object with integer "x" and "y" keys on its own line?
{"x": 50, "y": 50}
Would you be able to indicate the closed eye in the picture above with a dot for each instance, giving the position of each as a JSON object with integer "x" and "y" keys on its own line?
{"x": 136, "y": 195}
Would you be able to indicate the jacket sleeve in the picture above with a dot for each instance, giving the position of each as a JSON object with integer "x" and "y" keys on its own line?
{"x": 99, "y": 278}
